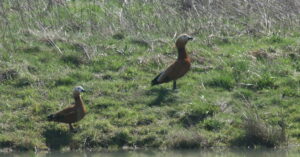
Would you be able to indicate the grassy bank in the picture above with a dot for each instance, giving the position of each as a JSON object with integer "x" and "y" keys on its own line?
{"x": 242, "y": 90}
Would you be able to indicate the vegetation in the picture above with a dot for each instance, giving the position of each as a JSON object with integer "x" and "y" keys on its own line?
{"x": 243, "y": 88}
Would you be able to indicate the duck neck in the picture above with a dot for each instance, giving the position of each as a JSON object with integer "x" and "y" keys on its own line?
{"x": 182, "y": 53}
{"x": 78, "y": 100}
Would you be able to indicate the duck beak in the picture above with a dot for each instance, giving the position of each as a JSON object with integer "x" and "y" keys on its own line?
{"x": 190, "y": 38}
{"x": 83, "y": 90}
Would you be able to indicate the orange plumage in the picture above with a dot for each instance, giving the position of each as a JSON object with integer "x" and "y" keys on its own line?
{"x": 73, "y": 113}
{"x": 180, "y": 67}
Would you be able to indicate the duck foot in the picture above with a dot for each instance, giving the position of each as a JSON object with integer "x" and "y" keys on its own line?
{"x": 174, "y": 85}
{"x": 72, "y": 129}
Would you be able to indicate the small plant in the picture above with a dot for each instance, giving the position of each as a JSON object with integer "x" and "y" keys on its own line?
{"x": 34, "y": 49}
{"x": 8, "y": 75}
{"x": 186, "y": 139}
{"x": 223, "y": 80}
{"x": 266, "y": 81}
{"x": 239, "y": 69}
{"x": 150, "y": 140}
{"x": 275, "y": 39}
{"x": 118, "y": 36}
{"x": 65, "y": 81}
{"x": 122, "y": 138}
{"x": 145, "y": 121}
{"x": 212, "y": 124}
{"x": 259, "y": 133}
{"x": 260, "y": 54}
{"x": 296, "y": 134}
{"x": 243, "y": 94}
{"x": 56, "y": 138}
{"x": 24, "y": 81}
{"x": 197, "y": 113}
{"x": 222, "y": 41}
{"x": 73, "y": 59}
{"x": 289, "y": 92}
{"x": 5, "y": 143}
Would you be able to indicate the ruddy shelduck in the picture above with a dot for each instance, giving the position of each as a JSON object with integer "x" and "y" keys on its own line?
{"x": 73, "y": 113}
{"x": 180, "y": 67}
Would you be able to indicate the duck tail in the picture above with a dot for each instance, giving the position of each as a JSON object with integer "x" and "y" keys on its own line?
{"x": 155, "y": 80}
{"x": 51, "y": 117}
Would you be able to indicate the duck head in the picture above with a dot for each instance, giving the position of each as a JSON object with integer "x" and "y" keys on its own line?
{"x": 182, "y": 40}
{"x": 77, "y": 90}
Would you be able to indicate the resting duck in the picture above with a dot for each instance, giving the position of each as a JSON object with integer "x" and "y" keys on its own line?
{"x": 73, "y": 113}
{"x": 180, "y": 67}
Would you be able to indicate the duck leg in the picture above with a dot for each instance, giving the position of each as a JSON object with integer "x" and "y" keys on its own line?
{"x": 174, "y": 84}
{"x": 71, "y": 127}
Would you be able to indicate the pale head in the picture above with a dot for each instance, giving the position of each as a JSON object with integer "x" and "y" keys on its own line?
{"x": 182, "y": 40}
{"x": 78, "y": 89}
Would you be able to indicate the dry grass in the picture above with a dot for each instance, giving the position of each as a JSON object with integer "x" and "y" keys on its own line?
{"x": 258, "y": 133}
{"x": 186, "y": 139}
{"x": 212, "y": 18}
{"x": 8, "y": 75}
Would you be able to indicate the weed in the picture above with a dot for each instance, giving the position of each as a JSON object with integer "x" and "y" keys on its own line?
{"x": 243, "y": 94}
{"x": 150, "y": 140}
{"x": 72, "y": 59}
{"x": 8, "y": 75}
{"x": 24, "y": 81}
{"x": 186, "y": 139}
{"x": 65, "y": 81}
{"x": 34, "y": 49}
{"x": 197, "y": 113}
{"x": 260, "y": 54}
{"x": 118, "y": 36}
{"x": 224, "y": 80}
{"x": 266, "y": 81}
{"x": 275, "y": 39}
{"x": 141, "y": 42}
{"x": 122, "y": 138}
{"x": 239, "y": 67}
{"x": 212, "y": 124}
{"x": 57, "y": 138}
{"x": 259, "y": 133}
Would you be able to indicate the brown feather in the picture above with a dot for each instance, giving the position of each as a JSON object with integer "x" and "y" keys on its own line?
{"x": 178, "y": 69}
{"x": 70, "y": 114}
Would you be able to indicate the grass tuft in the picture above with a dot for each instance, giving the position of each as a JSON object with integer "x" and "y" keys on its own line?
{"x": 73, "y": 59}
{"x": 118, "y": 36}
{"x": 197, "y": 113}
{"x": 8, "y": 75}
{"x": 258, "y": 133}
{"x": 65, "y": 81}
{"x": 57, "y": 138}
{"x": 24, "y": 81}
{"x": 186, "y": 139}
{"x": 224, "y": 80}
{"x": 266, "y": 81}
{"x": 212, "y": 125}
{"x": 122, "y": 138}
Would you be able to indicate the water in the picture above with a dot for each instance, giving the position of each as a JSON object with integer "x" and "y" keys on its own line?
{"x": 186, "y": 153}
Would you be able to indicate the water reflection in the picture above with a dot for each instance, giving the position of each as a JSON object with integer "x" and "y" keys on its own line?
{"x": 153, "y": 153}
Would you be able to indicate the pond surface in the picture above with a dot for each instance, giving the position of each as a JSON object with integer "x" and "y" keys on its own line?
{"x": 153, "y": 153}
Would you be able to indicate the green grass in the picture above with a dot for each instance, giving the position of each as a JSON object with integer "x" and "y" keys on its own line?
{"x": 237, "y": 82}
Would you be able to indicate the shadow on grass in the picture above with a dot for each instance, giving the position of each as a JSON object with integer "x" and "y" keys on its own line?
{"x": 163, "y": 96}
{"x": 57, "y": 138}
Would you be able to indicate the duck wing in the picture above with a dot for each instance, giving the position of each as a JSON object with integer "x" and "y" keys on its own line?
{"x": 63, "y": 115}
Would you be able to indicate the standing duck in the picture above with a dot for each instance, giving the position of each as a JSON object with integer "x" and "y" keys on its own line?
{"x": 180, "y": 67}
{"x": 73, "y": 113}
